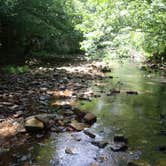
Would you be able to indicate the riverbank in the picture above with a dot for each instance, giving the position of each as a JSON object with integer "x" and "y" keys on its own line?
{"x": 44, "y": 91}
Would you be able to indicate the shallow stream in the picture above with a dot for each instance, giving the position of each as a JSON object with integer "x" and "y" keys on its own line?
{"x": 139, "y": 117}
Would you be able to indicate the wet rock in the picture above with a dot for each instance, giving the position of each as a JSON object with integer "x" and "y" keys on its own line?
{"x": 111, "y": 77}
{"x": 84, "y": 98}
{"x": 113, "y": 92}
{"x": 76, "y": 137}
{"x": 39, "y": 135}
{"x": 96, "y": 95}
{"x": 162, "y": 148}
{"x": 162, "y": 132}
{"x": 120, "y": 138}
{"x": 131, "y": 164}
{"x": 90, "y": 118}
{"x": 89, "y": 133}
{"x": 79, "y": 113}
{"x": 66, "y": 106}
{"x": 132, "y": 92}
{"x": 23, "y": 158}
{"x": 100, "y": 144}
{"x": 69, "y": 151}
{"x": 33, "y": 124}
{"x": 105, "y": 69}
{"x": 78, "y": 126}
{"x": 119, "y": 147}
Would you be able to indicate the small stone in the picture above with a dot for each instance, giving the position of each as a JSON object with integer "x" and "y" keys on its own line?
{"x": 13, "y": 107}
{"x": 23, "y": 158}
{"x": 33, "y": 124}
{"x": 78, "y": 126}
{"x": 119, "y": 147}
{"x": 102, "y": 158}
{"x": 90, "y": 134}
{"x": 161, "y": 148}
{"x": 90, "y": 118}
{"x": 120, "y": 138}
{"x": 76, "y": 137}
{"x": 60, "y": 122}
{"x": 131, "y": 164}
{"x": 39, "y": 135}
{"x": 18, "y": 114}
{"x": 113, "y": 92}
{"x": 100, "y": 144}
{"x": 69, "y": 151}
{"x": 22, "y": 131}
{"x": 162, "y": 132}
{"x": 132, "y": 92}
{"x": 105, "y": 69}
{"x": 6, "y": 103}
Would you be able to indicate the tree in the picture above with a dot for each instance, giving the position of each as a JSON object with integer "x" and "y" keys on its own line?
{"x": 29, "y": 27}
{"x": 123, "y": 25}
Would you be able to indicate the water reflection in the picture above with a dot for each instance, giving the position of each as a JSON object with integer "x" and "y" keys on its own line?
{"x": 140, "y": 117}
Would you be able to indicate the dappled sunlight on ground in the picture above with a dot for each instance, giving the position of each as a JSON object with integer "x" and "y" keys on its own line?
{"x": 7, "y": 129}
{"x": 59, "y": 103}
{"x": 90, "y": 69}
{"x": 61, "y": 94}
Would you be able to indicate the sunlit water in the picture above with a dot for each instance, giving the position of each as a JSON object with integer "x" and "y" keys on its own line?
{"x": 140, "y": 117}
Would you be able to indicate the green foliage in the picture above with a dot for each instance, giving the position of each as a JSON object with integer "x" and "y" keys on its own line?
{"x": 29, "y": 26}
{"x": 16, "y": 69}
{"x": 121, "y": 26}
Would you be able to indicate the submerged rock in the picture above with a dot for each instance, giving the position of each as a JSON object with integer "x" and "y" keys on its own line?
{"x": 100, "y": 144}
{"x": 105, "y": 69}
{"x": 132, "y": 92}
{"x": 113, "y": 92}
{"x": 119, "y": 147}
{"x": 162, "y": 148}
{"x": 89, "y": 133}
{"x": 120, "y": 138}
{"x": 69, "y": 151}
{"x": 162, "y": 132}
{"x": 131, "y": 164}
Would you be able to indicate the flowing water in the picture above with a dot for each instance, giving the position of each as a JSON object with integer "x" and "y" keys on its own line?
{"x": 139, "y": 117}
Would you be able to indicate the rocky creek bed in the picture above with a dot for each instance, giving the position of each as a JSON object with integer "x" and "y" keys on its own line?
{"x": 41, "y": 122}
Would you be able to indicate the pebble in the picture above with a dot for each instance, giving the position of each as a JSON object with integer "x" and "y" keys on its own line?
{"x": 89, "y": 133}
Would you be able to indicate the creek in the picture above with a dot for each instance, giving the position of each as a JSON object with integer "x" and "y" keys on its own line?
{"x": 141, "y": 118}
